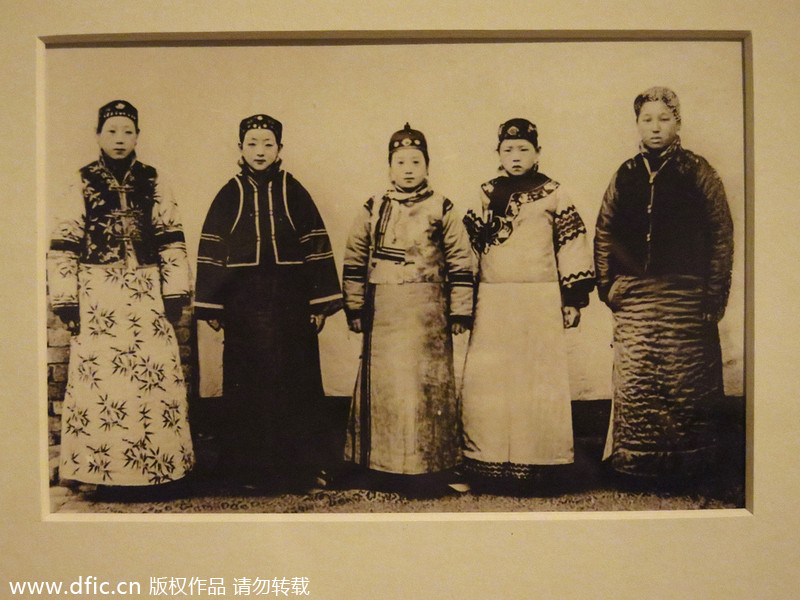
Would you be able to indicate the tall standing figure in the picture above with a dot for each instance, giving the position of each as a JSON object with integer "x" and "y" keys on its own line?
{"x": 266, "y": 274}
{"x": 664, "y": 253}
{"x": 408, "y": 281}
{"x": 535, "y": 275}
{"x": 117, "y": 275}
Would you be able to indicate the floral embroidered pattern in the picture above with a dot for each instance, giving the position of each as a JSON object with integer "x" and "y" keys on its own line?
{"x": 101, "y": 321}
{"x": 112, "y": 413}
{"x": 99, "y": 461}
{"x": 75, "y": 420}
{"x": 482, "y": 234}
{"x": 125, "y": 414}
{"x": 88, "y": 371}
{"x": 498, "y": 228}
{"x": 118, "y": 222}
{"x": 162, "y": 327}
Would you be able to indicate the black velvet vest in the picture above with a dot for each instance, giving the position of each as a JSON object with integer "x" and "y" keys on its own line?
{"x": 118, "y": 215}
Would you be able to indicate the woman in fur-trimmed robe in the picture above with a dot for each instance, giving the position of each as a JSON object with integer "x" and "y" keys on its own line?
{"x": 117, "y": 275}
{"x": 664, "y": 253}
{"x": 534, "y": 276}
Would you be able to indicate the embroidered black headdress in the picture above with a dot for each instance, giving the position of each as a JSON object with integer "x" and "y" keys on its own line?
{"x": 518, "y": 129}
{"x": 261, "y": 122}
{"x": 408, "y": 138}
{"x": 117, "y": 108}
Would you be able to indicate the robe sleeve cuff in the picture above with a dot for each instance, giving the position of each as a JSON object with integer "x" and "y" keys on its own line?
{"x": 465, "y": 320}
{"x": 206, "y": 311}
{"x": 326, "y": 306}
{"x": 353, "y": 313}
{"x": 577, "y": 294}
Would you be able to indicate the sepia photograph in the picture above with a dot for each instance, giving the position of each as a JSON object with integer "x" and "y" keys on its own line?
{"x": 393, "y": 274}
{"x": 388, "y": 300}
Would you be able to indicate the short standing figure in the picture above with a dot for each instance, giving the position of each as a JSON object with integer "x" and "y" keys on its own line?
{"x": 117, "y": 275}
{"x": 408, "y": 285}
{"x": 535, "y": 275}
{"x": 266, "y": 274}
{"x": 664, "y": 253}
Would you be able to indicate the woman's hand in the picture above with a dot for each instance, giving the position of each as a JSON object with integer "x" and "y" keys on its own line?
{"x": 571, "y": 315}
{"x": 317, "y": 322}
{"x": 215, "y": 324}
{"x": 458, "y": 328}
{"x": 71, "y": 317}
{"x": 355, "y": 325}
{"x": 714, "y": 316}
{"x": 173, "y": 309}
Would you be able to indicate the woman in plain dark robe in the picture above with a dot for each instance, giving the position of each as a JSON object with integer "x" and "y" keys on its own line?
{"x": 266, "y": 274}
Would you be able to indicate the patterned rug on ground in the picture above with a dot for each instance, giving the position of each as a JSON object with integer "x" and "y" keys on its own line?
{"x": 370, "y": 501}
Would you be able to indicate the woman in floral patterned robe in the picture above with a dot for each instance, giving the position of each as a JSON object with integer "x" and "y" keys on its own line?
{"x": 117, "y": 274}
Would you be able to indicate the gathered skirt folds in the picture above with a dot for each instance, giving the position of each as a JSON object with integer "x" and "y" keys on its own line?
{"x": 516, "y": 400}
{"x": 124, "y": 419}
{"x": 272, "y": 384}
{"x": 667, "y": 378}
{"x": 404, "y": 417}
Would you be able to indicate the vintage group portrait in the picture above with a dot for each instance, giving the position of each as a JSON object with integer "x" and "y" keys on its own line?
{"x": 496, "y": 274}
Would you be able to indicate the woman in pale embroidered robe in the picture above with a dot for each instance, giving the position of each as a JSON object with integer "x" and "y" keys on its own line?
{"x": 408, "y": 285}
{"x": 117, "y": 275}
{"x": 534, "y": 276}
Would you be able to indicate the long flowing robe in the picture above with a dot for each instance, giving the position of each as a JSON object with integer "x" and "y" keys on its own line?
{"x": 664, "y": 254}
{"x": 534, "y": 258}
{"x": 264, "y": 266}
{"x": 408, "y": 274}
{"x": 116, "y": 258}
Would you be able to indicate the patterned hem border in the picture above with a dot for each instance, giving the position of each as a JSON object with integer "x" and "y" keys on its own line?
{"x": 496, "y": 470}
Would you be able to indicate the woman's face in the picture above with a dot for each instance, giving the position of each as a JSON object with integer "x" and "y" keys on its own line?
{"x": 118, "y": 136}
{"x": 407, "y": 168}
{"x": 517, "y": 156}
{"x": 657, "y": 125}
{"x": 259, "y": 148}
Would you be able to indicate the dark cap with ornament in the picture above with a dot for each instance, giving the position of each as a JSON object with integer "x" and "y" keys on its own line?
{"x": 261, "y": 122}
{"x": 518, "y": 129}
{"x": 117, "y": 108}
{"x": 408, "y": 138}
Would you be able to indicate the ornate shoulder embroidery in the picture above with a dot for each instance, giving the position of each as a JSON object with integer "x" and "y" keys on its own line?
{"x": 498, "y": 228}
{"x": 520, "y": 198}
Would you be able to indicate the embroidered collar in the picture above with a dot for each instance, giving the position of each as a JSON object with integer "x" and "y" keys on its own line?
{"x": 506, "y": 197}
{"x": 506, "y": 193}
{"x": 419, "y": 193}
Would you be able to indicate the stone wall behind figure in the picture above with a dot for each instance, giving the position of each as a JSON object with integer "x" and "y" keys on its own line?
{"x": 58, "y": 340}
